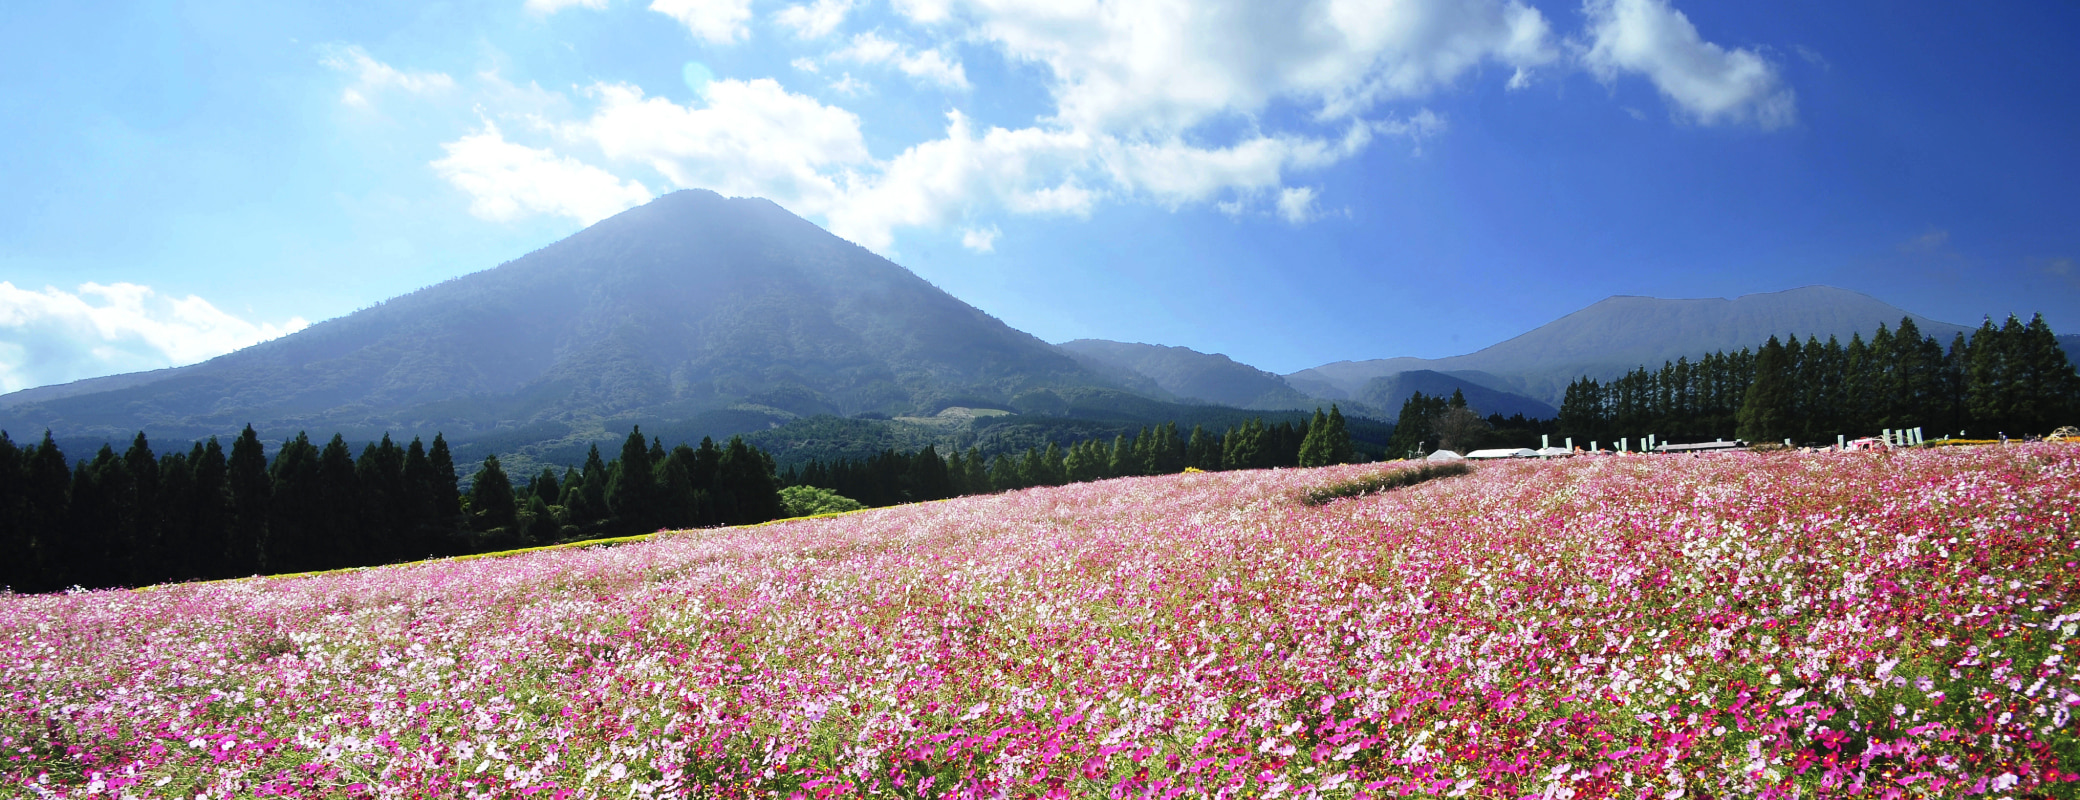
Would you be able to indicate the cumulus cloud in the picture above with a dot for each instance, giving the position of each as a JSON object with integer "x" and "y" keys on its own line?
{"x": 55, "y": 336}
{"x": 507, "y": 180}
{"x": 814, "y": 20}
{"x": 372, "y": 76}
{"x": 980, "y": 240}
{"x": 751, "y": 138}
{"x": 929, "y": 66}
{"x": 1160, "y": 68}
{"x": 1164, "y": 101}
{"x": 712, "y": 21}
{"x": 1708, "y": 83}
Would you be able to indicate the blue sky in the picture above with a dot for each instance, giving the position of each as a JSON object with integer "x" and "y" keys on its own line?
{"x": 1287, "y": 183}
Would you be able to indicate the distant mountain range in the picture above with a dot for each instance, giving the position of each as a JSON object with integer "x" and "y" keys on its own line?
{"x": 1615, "y": 335}
{"x": 697, "y": 315}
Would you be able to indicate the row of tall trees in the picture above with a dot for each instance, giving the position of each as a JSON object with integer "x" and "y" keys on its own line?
{"x": 2012, "y": 378}
{"x": 892, "y": 477}
{"x": 136, "y": 517}
{"x": 1428, "y": 423}
{"x": 648, "y": 488}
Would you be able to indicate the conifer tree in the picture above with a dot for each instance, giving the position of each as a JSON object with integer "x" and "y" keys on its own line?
{"x": 91, "y": 552}
{"x": 240, "y": 490}
{"x": 382, "y": 502}
{"x": 491, "y": 504}
{"x": 1765, "y": 414}
{"x": 144, "y": 521}
{"x": 16, "y": 557}
{"x": 179, "y": 545}
{"x": 296, "y": 499}
{"x": 632, "y": 494}
{"x": 442, "y": 485}
{"x": 1314, "y": 452}
{"x": 217, "y": 540}
{"x": 422, "y": 528}
{"x": 339, "y": 537}
{"x": 747, "y": 477}
{"x": 47, "y": 495}
{"x": 1338, "y": 438}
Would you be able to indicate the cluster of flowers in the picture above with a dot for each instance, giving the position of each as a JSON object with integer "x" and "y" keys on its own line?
{"x": 1818, "y": 625}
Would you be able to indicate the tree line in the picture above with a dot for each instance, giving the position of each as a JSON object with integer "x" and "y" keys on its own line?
{"x": 2011, "y": 379}
{"x": 893, "y": 477}
{"x": 1430, "y": 423}
{"x": 136, "y": 518}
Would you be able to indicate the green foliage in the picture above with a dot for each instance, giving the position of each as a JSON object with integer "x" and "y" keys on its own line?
{"x": 1393, "y": 479}
{"x": 804, "y": 501}
{"x": 2013, "y": 378}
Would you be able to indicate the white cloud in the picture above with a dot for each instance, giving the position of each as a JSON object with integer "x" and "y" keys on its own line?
{"x": 506, "y": 181}
{"x": 752, "y": 138}
{"x": 804, "y": 63}
{"x": 1296, "y": 205}
{"x": 929, "y": 66}
{"x": 553, "y": 6}
{"x": 1160, "y": 68}
{"x": 815, "y": 20}
{"x": 712, "y": 21}
{"x": 1708, "y": 83}
{"x": 55, "y": 336}
{"x": 850, "y": 86}
{"x": 372, "y": 76}
{"x": 980, "y": 240}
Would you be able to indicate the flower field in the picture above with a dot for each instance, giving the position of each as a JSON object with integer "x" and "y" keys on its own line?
{"x": 1824, "y": 625}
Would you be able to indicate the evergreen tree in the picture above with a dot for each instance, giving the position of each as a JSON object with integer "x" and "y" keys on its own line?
{"x": 179, "y": 544}
{"x": 1314, "y": 452}
{"x": 632, "y": 492}
{"x": 681, "y": 499}
{"x": 492, "y": 509}
{"x": 746, "y": 476}
{"x": 422, "y": 527}
{"x": 928, "y": 476}
{"x": 1765, "y": 415}
{"x": 238, "y": 490}
{"x": 145, "y": 524}
{"x": 1203, "y": 450}
{"x": 340, "y": 537}
{"x": 297, "y": 499}
{"x": 382, "y": 504}
{"x": 46, "y": 495}
{"x": 232, "y": 499}
{"x": 16, "y": 557}
{"x": 1338, "y": 438}
{"x": 91, "y": 554}
{"x": 442, "y": 485}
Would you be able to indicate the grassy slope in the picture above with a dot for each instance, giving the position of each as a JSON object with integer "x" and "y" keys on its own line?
{"x": 1732, "y": 626}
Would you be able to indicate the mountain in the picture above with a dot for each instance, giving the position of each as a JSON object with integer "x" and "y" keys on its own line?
{"x": 1391, "y": 391}
{"x": 1617, "y": 334}
{"x": 692, "y": 305}
{"x": 1189, "y": 374}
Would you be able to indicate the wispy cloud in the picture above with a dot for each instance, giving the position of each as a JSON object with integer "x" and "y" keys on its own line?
{"x": 55, "y": 336}
{"x": 372, "y": 77}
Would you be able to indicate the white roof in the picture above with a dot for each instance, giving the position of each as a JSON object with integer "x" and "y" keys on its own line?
{"x": 1444, "y": 455}
{"x": 1514, "y": 452}
{"x": 1555, "y": 451}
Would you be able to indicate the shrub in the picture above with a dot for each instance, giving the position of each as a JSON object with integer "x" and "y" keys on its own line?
{"x": 1382, "y": 481}
{"x": 807, "y": 501}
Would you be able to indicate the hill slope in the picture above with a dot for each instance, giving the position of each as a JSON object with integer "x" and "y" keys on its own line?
{"x": 1586, "y": 627}
{"x": 1617, "y": 334}
{"x": 1190, "y": 374}
{"x": 687, "y": 305}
